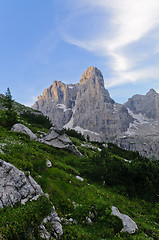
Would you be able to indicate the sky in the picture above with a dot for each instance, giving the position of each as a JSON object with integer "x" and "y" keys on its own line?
{"x": 46, "y": 40}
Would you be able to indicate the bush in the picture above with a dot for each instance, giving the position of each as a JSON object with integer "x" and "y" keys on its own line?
{"x": 37, "y": 119}
{"x": 140, "y": 177}
{"x": 122, "y": 152}
{"x": 73, "y": 133}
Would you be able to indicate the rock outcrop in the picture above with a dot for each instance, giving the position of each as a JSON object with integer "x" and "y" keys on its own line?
{"x": 57, "y": 138}
{"x": 16, "y": 186}
{"x": 128, "y": 224}
{"x": 18, "y": 127}
{"x": 55, "y": 221}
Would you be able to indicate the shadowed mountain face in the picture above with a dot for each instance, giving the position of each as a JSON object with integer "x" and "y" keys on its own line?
{"x": 84, "y": 106}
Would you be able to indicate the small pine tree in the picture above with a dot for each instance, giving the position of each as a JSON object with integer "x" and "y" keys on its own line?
{"x": 88, "y": 138}
{"x": 10, "y": 114}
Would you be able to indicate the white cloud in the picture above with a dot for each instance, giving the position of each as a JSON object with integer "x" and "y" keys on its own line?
{"x": 31, "y": 101}
{"x": 131, "y": 23}
{"x": 144, "y": 74}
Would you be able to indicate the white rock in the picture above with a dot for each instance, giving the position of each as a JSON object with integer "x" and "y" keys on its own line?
{"x": 15, "y": 186}
{"x": 44, "y": 233}
{"x": 80, "y": 178}
{"x": 128, "y": 224}
{"x": 48, "y": 163}
{"x": 88, "y": 220}
{"x": 127, "y": 160}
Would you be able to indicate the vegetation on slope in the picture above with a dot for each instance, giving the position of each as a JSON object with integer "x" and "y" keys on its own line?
{"x": 36, "y": 119}
{"x": 22, "y": 221}
{"x": 111, "y": 178}
{"x": 9, "y": 118}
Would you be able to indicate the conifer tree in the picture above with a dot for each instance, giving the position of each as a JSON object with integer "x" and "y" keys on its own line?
{"x": 10, "y": 114}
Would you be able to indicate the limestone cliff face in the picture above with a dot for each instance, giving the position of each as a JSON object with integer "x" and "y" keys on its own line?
{"x": 86, "y": 105}
{"x": 95, "y": 109}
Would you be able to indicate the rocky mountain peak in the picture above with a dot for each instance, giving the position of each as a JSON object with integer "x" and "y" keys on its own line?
{"x": 147, "y": 105}
{"x": 151, "y": 92}
{"x": 92, "y": 76}
{"x": 86, "y": 105}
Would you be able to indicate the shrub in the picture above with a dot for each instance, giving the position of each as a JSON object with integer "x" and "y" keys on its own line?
{"x": 140, "y": 177}
{"x": 37, "y": 119}
{"x": 73, "y": 133}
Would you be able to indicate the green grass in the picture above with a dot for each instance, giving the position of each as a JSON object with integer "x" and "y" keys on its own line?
{"x": 73, "y": 198}
{"x": 22, "y": 221}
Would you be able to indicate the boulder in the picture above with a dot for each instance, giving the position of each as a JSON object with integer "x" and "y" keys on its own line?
{"x": 57, "y": 138}
{"x": 80, "y": 178}
{"x": 128, "y": 224}
{"x": 48, "y": 163}
{"x": 88, "y": 221}
{"x": 16, "y": 186}
{"x": 18, "y": 127}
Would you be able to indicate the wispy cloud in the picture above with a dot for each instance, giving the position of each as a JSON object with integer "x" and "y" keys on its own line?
{"x": 122, "y": 29}
{"x": 142, "y": 75}
{"x": 31, "y": 101}
{"x": 45, "y": 47}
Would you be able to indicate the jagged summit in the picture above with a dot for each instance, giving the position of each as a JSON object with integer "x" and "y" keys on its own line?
{"x": 92, "y": 75}
{"x": 91, "y": 86}
{"x": 151, "y": 92}
{"x": 147, "y": 105}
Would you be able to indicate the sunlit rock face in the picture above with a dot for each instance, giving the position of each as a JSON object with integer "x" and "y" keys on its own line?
{"x": 95, "y": 110}
{"x": 57, "y": 102}
{"x": 84, "y": 106}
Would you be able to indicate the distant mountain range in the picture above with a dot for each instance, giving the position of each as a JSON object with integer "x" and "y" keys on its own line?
{"x": 88, "y": 108}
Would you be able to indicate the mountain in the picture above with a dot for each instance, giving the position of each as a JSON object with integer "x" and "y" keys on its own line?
{"x": 147, "y": 105}
{"x": 85, "y": 106}
{"x": 143, "y": 134}
{"x": 88, "y": 108}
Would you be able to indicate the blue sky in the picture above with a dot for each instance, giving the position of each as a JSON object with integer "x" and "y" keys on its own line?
{"x": 46, "y": 40}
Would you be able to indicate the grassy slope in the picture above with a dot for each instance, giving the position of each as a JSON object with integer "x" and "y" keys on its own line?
{"x": 73, "y": 198}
